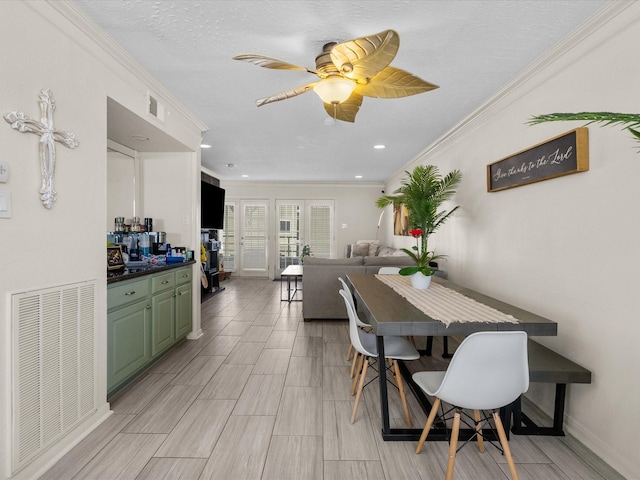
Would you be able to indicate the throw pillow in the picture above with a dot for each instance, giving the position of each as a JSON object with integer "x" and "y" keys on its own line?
{"x": 373, "y": 246}
{"x": 359, "y": 250}
{"x": 386, "y": 251}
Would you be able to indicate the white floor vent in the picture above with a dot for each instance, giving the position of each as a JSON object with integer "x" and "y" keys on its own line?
{"x": 53, "y": 357}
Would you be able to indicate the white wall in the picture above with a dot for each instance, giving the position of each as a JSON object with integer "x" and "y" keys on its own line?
{"x": 566, "y": 248}
{"x": 49, "y": 45}
{"x": 167, "y": 192}
{"x": 121, "y": 174}
{"x": 354, "y": 206}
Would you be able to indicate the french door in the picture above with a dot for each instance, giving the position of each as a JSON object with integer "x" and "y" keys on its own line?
{"x": 296, "y": 223}
{"x": 301, "y": 223}
{"x": 253, "y": 238}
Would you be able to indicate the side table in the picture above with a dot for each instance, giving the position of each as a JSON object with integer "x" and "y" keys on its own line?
{"x": 291, "y": 272}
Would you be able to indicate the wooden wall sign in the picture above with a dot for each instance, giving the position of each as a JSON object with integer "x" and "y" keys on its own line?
{"x": 562, "y": 155}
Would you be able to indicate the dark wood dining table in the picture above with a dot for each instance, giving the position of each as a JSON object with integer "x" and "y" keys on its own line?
{"x": 391, "y": 314}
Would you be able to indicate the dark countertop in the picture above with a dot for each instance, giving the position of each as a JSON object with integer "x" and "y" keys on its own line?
{"x": 129, "y": 273}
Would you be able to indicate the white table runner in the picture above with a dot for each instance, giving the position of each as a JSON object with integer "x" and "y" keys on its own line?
{"x": 444, "y": 304}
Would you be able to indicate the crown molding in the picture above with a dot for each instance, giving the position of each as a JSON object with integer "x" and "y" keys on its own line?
{"x": 611, "y": 20}
{"x": 268, "y": 184}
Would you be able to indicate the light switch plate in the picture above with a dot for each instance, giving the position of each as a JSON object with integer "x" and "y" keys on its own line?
{"x": 5, "y": 204}
{"x": 4, "y": 171}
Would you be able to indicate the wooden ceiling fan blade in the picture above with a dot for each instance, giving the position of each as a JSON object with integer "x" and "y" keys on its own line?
{"x": 363, "y": 60}
{"x": 394, "y": 83}
{"x": 365, "y": 57}
{"x": 345, "y": 111}
{"x": 285, "y": 95}
{"x": 270, "y": 62}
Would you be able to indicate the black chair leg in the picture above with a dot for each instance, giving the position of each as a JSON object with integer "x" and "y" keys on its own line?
{"x": 429, "y": 346}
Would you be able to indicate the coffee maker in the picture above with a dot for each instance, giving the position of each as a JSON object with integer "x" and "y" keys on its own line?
{"x": 158, "y": 242}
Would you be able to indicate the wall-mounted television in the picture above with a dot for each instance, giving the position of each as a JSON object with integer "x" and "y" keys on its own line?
{"x": 211, "y": 206}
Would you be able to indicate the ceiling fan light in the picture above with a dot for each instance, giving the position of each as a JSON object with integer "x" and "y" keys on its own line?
{"x": 334, "y": 90}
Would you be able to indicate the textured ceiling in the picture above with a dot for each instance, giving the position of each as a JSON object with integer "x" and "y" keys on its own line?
{"x": 469, "y": 48}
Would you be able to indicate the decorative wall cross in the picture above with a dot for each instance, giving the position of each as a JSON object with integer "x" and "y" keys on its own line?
{"x": 48, "y": 138}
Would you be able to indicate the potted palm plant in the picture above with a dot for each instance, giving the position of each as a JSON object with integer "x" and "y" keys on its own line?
{"x": 422, "y": 193}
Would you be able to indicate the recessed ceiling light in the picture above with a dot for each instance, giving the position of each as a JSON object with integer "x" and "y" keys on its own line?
{"x": 379, "y": 147}
{"x": 204, "y": 145}
{"x": 245, "y": 176}
{"x": 230, "y": 165}
{"x": 140, "y": 138}
{"x": 358, "y": 176}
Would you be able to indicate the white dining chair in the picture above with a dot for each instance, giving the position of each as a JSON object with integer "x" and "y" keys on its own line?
{"x": 395, "y": 348}
{"x": 489, "y": 370}
{"x": 360, "y": 324}
{"x": 346, "y": 288}
{"x": 389, "y": 271}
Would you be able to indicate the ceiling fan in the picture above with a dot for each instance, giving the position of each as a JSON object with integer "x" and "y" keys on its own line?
{"x": 348, "y": 71}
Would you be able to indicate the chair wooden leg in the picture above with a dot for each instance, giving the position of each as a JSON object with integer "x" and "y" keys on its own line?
{"x": 453, "y": 446}
{"x": 361, "y": 359}
{"x": 349, "y": 351}
{"x": 360, "y": 388}
{"x": 427, "y": 426}
{"x": 353, "y": 364}
{"x": 396, "y": 370}
{"x": 505, "y": 445}
{"x": 476, "y": 416}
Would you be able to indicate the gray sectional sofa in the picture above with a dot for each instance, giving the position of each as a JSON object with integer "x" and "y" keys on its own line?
{"x": 320, "y": 285}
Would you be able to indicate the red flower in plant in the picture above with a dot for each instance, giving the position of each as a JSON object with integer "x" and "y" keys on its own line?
{"x": 416, "y": 233}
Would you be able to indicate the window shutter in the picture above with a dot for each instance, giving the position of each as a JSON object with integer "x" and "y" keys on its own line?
{"x": 229, "y": 237}
{"x": 320, "y": 228}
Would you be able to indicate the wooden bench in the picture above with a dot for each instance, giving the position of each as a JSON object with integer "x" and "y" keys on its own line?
{"x": 547, "y": 366}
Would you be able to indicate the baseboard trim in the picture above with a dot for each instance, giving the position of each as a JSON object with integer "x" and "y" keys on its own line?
{"x": 49, "y": 458}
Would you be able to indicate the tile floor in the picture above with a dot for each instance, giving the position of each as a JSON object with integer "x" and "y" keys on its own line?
{"x": 264, "y": 395}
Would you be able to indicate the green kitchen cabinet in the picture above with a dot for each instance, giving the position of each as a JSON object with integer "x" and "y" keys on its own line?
{"x": 183, "y": 309}
{"x": 183, "y": 275}
{"x": 184, "y": 306}
{"x": 163, "y": 307}
{"x": 146, "y": 316}
{"x": 128, "y": 339}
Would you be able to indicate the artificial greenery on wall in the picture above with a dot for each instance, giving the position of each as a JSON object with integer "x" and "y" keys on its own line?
{"x": 630, "y": 121}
